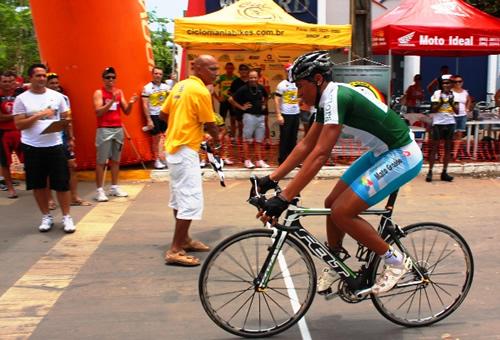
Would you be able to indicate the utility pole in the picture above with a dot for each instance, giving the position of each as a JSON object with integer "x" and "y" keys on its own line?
{"x": 361, "y": 21}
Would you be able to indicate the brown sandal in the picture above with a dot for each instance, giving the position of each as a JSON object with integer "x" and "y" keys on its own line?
{"x": 181, "y": 259}
{"x": 196, "y": 246}
{"x": 80, "y": 203}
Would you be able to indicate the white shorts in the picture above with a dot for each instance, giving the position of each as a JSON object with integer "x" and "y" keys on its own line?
{"x": 186, "y": 194}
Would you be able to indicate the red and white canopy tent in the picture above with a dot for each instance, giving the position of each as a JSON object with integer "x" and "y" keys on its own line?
{"x": 436, "y": 28}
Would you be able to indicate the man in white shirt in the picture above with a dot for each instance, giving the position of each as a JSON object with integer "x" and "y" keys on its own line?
{"x": 44, "y": 159}
{"x": 153, "y": 96}
{"x": 286, "y": 103}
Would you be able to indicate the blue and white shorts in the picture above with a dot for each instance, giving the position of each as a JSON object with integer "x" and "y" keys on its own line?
{"x": 373, "y": 178}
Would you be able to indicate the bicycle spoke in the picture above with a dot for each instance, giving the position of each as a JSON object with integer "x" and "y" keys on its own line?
{"x": 277, "y": 304}
{"x": 231, "y": 292}
{"x": 248, "y": 311}
{"x": 432, "y": 248}
{"x": 231, "y": 300}
{"x": 250, "y": 273}
{"x": 290, "y": 276}
{"x": 428, "y": 301}
{"x": 232, "y": 274}
{"x": 243, "y": 305}
{"x": 269, "y": 309}
{"x": 289, "y": 266}
{"x": 243, "y": 251}
{"x": 441, "y": 259}
{"x": 282, "y": 294}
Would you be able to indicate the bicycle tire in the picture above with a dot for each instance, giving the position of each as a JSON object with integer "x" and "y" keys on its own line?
{"x": 235, "y": 262}
{"x": 447, "y": 289}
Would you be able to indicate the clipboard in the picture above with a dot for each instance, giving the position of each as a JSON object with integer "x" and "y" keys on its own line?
{"x": 56, "y": 126}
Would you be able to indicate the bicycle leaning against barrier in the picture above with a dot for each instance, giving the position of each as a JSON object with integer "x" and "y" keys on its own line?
{"x": 260, "y": 282}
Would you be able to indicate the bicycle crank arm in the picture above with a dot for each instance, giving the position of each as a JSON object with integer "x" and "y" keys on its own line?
{"x": 361, "y": 294}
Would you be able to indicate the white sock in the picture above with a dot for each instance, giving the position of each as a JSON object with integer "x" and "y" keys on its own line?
{"x": 393, "y": 257}
{"x": 114, "y": 186}
{"x": 100, "y": 189}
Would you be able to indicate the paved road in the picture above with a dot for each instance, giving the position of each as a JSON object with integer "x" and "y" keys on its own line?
{"x": 108, "y": 280}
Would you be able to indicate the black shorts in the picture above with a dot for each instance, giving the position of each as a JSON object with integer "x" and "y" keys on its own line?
{"x": 443, "y": 132}
{"x": 45, "y": 163}
{"x": 224, "y": 108}
{"x": 160, "y": 126}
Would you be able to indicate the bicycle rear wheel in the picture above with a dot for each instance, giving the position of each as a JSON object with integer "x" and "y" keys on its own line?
{"x": 228, "y": 291}
{"x": 444, "y": 257}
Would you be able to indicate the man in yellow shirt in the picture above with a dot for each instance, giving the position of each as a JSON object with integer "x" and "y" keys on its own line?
{"x": 189, "y": 111}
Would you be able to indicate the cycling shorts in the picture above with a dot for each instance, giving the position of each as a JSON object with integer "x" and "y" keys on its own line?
{"x": 373, "y": 178}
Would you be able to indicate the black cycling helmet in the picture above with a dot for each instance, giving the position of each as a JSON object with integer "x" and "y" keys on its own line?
{"x": 307, "y": 65}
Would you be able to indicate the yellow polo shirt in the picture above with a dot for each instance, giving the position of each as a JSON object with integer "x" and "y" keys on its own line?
{"x": 188, "y": 107}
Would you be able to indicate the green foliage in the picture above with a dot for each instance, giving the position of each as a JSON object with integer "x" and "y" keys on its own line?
{"x": 18, "y": 46}
{"x": 161, "y": 40}
{"x": 491, "y": 7}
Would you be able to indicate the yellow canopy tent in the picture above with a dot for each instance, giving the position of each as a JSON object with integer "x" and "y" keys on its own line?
{"x": 257, "y": 25}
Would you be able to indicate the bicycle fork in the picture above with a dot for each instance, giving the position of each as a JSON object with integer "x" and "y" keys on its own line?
{"x": 278, "y": 237}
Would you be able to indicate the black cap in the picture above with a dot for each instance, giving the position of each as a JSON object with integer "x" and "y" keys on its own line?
{"x": 108, "y": 70}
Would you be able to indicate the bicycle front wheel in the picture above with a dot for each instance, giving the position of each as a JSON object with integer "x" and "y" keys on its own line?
{"x": 445, "y": 259}
{"x": 228, "y": 292}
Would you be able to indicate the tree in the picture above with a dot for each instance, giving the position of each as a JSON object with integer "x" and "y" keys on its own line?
{"x": 491, "y": 7}
{"x": 18, "y": 46}
{"x": 161, "y": 40}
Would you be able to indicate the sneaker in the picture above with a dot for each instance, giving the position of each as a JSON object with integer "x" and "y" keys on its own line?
{"x": 116, "y": 191}
{"x": 249, "y": 164}
{"x": 159, "y": 164}
{"x": 69, "y": 226}
{"x": 101, "y": 196}
{"x": 228, "y": 161}
{"x": 3, "y": 187}
{"x": 262, "y": 164}
{"x": 326, "y": 279}
{"x": 428, "y": 178}
{"x": 445, "y": 177}
{"x": 203, "y": 164}
{"x": 47, "y": 223}
{"x": 391, "y": 275}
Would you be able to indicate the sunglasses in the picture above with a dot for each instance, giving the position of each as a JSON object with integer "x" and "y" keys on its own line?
{"x": 110, "y": 77}
{"x": 446, "y": 83}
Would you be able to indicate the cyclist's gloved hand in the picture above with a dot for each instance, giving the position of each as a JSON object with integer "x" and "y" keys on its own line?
{"x": 265, "y": 184}
{"x": 274, "y": 206}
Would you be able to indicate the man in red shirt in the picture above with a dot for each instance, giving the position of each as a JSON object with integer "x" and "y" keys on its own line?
{"x": 10, "y": 137}
{"x": 109, "y": 103}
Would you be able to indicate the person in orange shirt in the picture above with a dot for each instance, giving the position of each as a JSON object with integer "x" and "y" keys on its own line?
{"x": 189, "y": 110}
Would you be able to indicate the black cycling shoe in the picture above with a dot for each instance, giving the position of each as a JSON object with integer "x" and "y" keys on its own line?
{"x": 445, "y": 177}
{"x": 428, "y": 178}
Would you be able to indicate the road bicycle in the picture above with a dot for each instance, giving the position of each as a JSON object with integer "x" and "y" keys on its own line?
{"x": 260, "y": 282}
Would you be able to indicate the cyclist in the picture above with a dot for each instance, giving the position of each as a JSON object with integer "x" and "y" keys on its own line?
{"x": 394, "y": 159}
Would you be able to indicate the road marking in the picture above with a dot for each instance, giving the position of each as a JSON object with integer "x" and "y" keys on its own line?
{"x": 292, "y": 293}
{"x": 30, "y": 299}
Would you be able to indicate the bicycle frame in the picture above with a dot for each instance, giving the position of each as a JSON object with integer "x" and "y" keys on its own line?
{"x": 293, "y": 227}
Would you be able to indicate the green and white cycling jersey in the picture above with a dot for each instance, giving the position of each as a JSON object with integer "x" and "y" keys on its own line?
{"x": 367, "y": 119}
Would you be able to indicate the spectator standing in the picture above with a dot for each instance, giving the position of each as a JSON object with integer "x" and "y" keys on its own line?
{"x": 153, "y": 96}
{"x": 69, "y": 146}
{"x": 109, "y": 102}
{"x": 237, "y": 115}
{"x": 44, "y": 159}
{"x": 436, "y": 83}
{"x": 414, "y": 95}
{"x": 497, "y": 98}
{"x": 189, "y": 110}
{"x": 10, "y": 136}
{"x": 443, "y": 107}
{"x": 462, "y": 97}
{"x": 286, "y": 103}
{"x": 251, "y": 99}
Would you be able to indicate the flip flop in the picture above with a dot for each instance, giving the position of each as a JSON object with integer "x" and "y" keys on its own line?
{"x": 80, "y": 203}
{"x": 196, "y": 246}
{"x": 181, "y": 259}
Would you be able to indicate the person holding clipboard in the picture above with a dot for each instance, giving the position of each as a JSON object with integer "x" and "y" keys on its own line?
{"x": 40, "y": 113}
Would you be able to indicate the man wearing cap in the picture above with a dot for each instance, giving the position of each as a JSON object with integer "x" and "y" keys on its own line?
{"x": 443, "y": 108}
{"x": 287, "y": 108}
{"x": 109, "y": 102}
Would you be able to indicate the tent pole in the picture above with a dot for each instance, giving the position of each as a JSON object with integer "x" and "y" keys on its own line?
{"x": 389, "y": 92}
